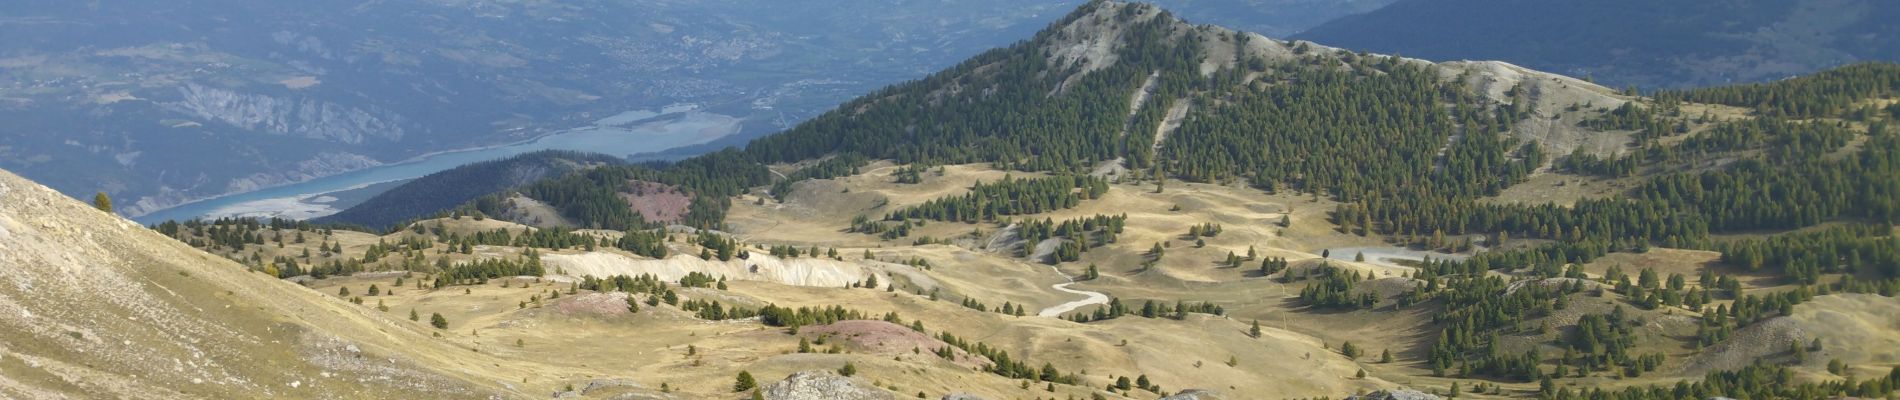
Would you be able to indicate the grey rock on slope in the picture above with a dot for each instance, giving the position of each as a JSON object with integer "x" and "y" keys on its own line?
{"x": 1397, "y": 394}
{"x": 1195, "y": 394}
{"x": 821, "y": 385}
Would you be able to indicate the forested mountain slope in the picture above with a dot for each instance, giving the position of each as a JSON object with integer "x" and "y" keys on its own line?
{"x": 1132, "y": 86}
{"x": 444, "y": 190}
{"x": 1633, "y": 42}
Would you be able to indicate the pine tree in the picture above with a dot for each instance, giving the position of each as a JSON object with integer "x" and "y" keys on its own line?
{"x": 102, "y": 202}
{"x": 1255, "y": 331}
{"x": 438, "y": 321}
{"x": 744, "y": 382}
{"x": 848, "y": 369}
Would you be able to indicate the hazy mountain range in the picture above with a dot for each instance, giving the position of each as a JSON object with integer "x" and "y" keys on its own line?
{"x": 1633, "y": 42}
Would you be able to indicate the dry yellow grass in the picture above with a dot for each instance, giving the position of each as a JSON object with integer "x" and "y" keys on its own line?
{"x": 520, "y": 340}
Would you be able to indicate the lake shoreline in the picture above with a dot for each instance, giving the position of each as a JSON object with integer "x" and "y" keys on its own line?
{"x": 668, "y": 133}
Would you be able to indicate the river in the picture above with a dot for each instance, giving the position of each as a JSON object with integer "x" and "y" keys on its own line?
{"x": 622, "y": 135}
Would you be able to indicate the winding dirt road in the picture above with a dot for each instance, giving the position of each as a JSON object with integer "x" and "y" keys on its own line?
{"x": 1057, "y": 310}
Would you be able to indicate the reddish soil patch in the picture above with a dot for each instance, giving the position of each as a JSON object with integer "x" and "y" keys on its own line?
{"x": 657, "y": 202}
{"x": 884, "y": 338}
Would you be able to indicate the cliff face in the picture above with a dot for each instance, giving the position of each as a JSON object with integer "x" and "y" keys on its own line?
{"x": 307, "y": 118}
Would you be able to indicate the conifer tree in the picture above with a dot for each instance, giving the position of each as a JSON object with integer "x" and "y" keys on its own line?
{"x": 848, "y": 369}
{"x": 102, "y": 202}
{"x": 744, "y": 382}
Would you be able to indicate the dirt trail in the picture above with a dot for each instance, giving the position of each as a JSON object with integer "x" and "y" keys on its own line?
{"x": 1057, "y": 310}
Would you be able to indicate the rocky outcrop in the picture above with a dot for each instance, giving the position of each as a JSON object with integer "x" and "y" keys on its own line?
{"x": 1195, "y": 394}
{"x": 822, "y": 385}
{"x": 1396, "y": 394}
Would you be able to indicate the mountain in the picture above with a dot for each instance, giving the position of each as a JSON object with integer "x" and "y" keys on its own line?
{"x": 1649, "y": 44}
{"x": 1110, "y": 86}
{"x": 186, "y": 100}
{"x": 441, "y": 191}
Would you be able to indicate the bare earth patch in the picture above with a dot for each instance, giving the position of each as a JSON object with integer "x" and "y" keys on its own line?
{"x": 657, "y": 202}
{"x": 884, "y": 338}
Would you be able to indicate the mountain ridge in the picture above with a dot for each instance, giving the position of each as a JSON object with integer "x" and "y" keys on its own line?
{"x": 1633, "y": 43}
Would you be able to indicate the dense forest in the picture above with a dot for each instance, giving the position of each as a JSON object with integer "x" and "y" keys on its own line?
{"x": 1836, "y": 92}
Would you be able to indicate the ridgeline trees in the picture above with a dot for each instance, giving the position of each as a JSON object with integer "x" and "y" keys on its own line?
{"x": 1010, "y": 196}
